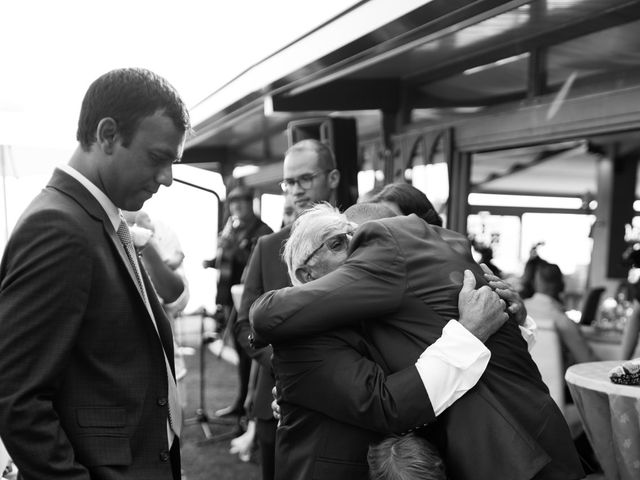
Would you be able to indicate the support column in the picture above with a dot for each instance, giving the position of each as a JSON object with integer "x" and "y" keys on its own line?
{"x": 616, "y": 193}
{"x": 459, "y": 188}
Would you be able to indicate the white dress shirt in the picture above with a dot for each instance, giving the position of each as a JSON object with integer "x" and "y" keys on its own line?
{"x": 454, "y": 363}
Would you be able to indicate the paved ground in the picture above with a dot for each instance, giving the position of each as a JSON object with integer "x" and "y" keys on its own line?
{"x": 209, "y": 460}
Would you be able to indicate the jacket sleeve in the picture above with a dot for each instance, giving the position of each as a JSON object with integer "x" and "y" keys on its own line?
{"x": 44, "y": 287}
{"x": 252, "y": 290}
{"x": 371, "y": 283}
{"x": 334, "y": 379}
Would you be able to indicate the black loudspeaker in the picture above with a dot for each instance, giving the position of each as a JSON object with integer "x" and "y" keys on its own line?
{"x": 341, "y": 136}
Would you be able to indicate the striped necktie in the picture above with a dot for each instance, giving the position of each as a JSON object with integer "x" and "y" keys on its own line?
{"x": 175, "y": 410}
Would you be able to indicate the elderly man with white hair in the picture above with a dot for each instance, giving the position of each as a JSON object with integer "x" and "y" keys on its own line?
{"x": 399, "y": 278}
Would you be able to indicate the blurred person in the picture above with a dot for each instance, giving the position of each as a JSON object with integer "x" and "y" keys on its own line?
{"x": 288, "y": 212}
{"x": 159, "y": 249}
{"x": 5, "y": 460}
{"x": 630, "y": 347}
{"x": 526, "y": 287}
{"x": 87, "y": 382}
{"x": 405, "y": 457}
{"x": 545, "y": 305}
{"x": 309, "y": 176}
{"x": 235, "y": 244}
{"x": 402, "y": 272}
{"x": 485, "y": 253}
{"x": 162, "y": 255}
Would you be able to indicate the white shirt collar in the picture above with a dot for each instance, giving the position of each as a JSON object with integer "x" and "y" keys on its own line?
{"x": 107, "y": 205}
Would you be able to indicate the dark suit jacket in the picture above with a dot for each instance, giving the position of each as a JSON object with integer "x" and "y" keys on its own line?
{"x": 326, "y": 381}
{"x": 407, "y": 274}
{"x": 83, "y": 381}
{"x": 266, "y": 271}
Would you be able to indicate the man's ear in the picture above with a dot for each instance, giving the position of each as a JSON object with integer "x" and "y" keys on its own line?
{"x": 303, "y": 274}
{"x": 106, "y": 134}
{"x": 333, "y": 179}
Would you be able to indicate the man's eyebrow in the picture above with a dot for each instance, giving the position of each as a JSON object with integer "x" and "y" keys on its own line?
{"x": 166, "y": 154}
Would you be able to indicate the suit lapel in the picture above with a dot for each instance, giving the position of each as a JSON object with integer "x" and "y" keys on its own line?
{"x": 75, "y": 190}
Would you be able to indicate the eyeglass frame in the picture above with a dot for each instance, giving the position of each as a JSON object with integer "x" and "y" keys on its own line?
{"x": 289, "y": 183}
{"x": 347, "y": 235}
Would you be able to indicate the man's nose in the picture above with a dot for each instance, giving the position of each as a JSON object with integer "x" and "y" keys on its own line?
{"x": 165, "y": 176}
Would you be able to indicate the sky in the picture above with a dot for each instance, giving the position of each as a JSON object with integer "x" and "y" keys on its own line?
{"x": 52, "y": 51}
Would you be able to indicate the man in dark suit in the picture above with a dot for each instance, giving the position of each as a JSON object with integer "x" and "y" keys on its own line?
{"x": 310, "y": 176}
{"x": 337, "y": 396}
{"x": 406, "y": 274}
{"x": 87, "y": 383}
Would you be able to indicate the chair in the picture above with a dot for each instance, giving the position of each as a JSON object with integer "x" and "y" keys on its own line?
{"x": 590, "y": 305}
{"x": 547, "y": 353}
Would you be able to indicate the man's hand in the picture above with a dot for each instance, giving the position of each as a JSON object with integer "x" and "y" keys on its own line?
{"x": 515, "y": 305}
{"x": 274, "y": 405}
{"x": 482, "y": 311}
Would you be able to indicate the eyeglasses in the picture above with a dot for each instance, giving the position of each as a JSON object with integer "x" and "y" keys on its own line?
{"x": 335, "y": 243}
{"x": 305, "y": 181}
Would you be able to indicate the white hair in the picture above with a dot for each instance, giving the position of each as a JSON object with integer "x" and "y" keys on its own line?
{"x": 308, "y": 232}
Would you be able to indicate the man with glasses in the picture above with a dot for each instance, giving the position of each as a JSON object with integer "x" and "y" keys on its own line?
{"x": 309, "y": 176}
{"x": 397, "y": 279}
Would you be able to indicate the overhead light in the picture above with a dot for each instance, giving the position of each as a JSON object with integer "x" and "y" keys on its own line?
{"x": 498, "y": 63}
{"x": 524, "y": 201}
{"x": 244, "y": 170}
{"x": 268, "y": 106}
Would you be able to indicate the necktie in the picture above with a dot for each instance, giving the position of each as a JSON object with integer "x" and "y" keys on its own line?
{"x": 175, "y": 410}
{"x": 127, "y": 243}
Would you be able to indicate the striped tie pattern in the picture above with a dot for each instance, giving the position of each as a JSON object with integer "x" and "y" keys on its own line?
{"x": 175, "y": 410}
{"x": 125, "y": 238}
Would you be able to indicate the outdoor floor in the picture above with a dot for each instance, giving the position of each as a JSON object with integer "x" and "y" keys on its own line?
{"x": 209, "y": 460}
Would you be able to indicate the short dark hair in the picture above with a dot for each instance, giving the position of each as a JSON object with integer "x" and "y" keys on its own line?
{"x": 550, "y": 276}
{"x": 128, "y": 95}
{"x": 407, "y": 457}
{"x": 410, "y": 200}
{"x": 362, "y": 212}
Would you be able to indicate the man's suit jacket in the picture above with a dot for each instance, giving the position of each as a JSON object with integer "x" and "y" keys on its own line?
{"x": 83, "y": 380}
{"x": 407, "y": 275}
{"x": 326, "y": 381}
{"x": 266, "y": 271}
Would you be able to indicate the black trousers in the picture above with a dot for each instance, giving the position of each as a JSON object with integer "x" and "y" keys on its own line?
{"x": 266, "y": 435}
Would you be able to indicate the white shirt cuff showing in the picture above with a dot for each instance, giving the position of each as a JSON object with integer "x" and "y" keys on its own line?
{"x": 452, "y": 365}
{"x": 528, "y": 331}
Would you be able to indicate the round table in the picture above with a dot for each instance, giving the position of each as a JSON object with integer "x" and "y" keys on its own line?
{"x": 610, "y": 414}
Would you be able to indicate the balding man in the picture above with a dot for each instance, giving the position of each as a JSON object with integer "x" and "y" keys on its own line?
{"x": 400, "y": 277}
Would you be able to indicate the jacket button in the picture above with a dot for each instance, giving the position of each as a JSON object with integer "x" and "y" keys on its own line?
{"x": 164, "y": 456}
{"x": 162, "y": 401}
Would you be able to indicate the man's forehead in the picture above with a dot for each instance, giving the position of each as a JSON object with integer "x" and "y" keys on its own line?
{"x": 159, "y": 133}
{"x": 300, "y": 162}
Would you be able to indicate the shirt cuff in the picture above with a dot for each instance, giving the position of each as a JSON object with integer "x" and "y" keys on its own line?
{"x": 528, "y": 330}
{"x": 452, "y": 365}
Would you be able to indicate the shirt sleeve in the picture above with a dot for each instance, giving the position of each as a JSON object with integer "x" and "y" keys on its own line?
{"x": 452, "y": 365}
{"x": 528, "y": 331}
